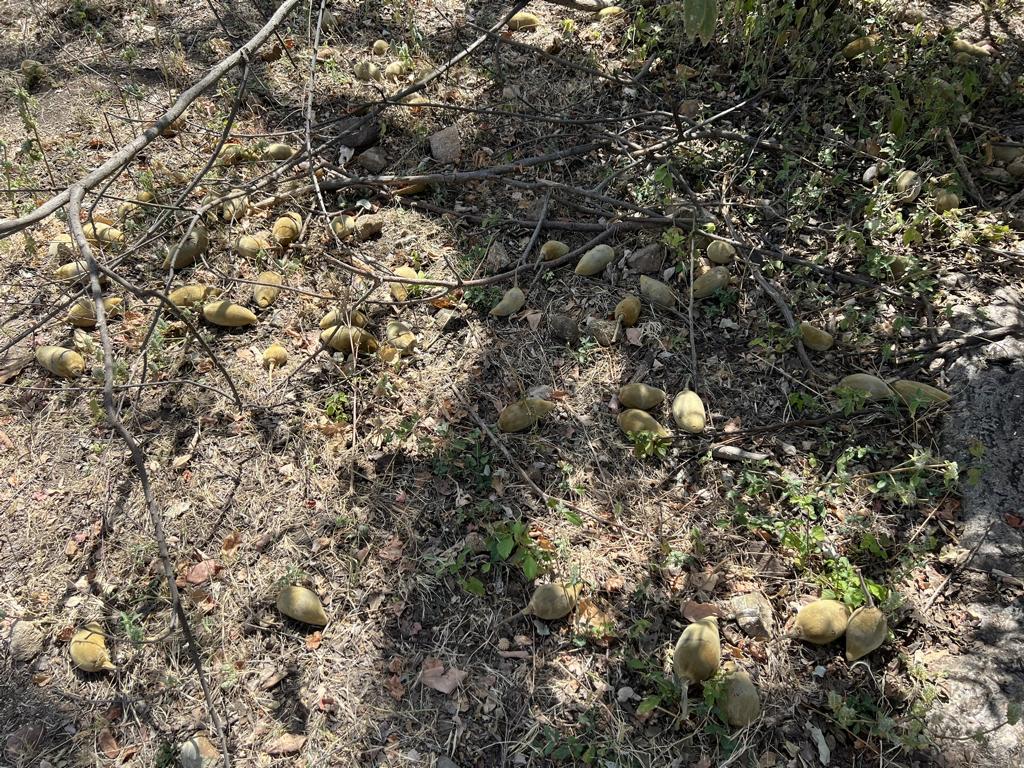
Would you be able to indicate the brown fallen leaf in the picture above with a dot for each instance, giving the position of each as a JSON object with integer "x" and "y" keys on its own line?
{"x": 591, "y": 620}
{"x": 23, "y": 742}
{"x": 392, "y": 551}
{"x": 202, "y": 571}
{"x": 108, "y": 744}
{"x": 394, "y": 687}
{"x": 285, "y": 744}
{"x": 314, "y": 640}
{"x": 693, "y": 611}
{"x": 433, "y": 675}
{"x": 534, "y": 318}
{"x": 231, "y": 543}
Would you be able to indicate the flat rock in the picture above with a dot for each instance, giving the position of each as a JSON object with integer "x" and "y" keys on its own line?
{"x": 647, "y": 259}
{"x": 372, "y": 160}
{"x": 754, "y": 614}
{"x": 561, "y": 327}
{"x": 198, "y": 752}
{"x": 987, "y": 410}
{"x": 446, "y": 146}
{"x": 26, "y": 641}
{"x": 497, "y": 258}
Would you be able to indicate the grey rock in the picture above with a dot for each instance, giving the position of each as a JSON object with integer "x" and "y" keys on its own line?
{"x": 446, "y": 762}
{"x": 198, "y": 752}
{"x": 754, "y": 614}
{"x": 650, "y": 258}
{"x": 561, "y": 327}
{"x": 497, "y": 257}
{"x": 603, "y": 331}
{"x": 26, "y": 641}
{"x": 372, "y": 160}
{"x": 446, "y": 146}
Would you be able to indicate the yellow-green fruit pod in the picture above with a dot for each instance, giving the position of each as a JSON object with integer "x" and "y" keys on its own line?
{"x": 98, "y": 232}
{"x": 250, "y": 246}
{"x": 395, "y": 70}
{"x": 286, "y": 229}
{"x": 908, "y": 186}
{"x": 721, "y": 253}
{"x": 872, "y": 386}
{"x": 815, "y": 338}
{"x": 344, "y": 226}
{"x": 73, "y": 270}
{"x": 698, "y": 652}
{"x": 551, "y": 602}
{"x": 821, "y": 622}
{"x": 65, "y": 363}
{"x": 627, "y": 311}
{"x": 194, "y": 293}
{"x": 401, "y": 337}
{"x": 278, "y": 151}
{"x": 400, "y": 291}
{"x": 236, "y": 206}
{"x": 635, "y": 420}
{"x": 657, "y": 292}
{"x": 510, "y": 303}
{"x": 380, "y": 47}
{"x": 337, "y": 317}
{"x": 523, "y": 414}
{"x": 83, "y": 312}
{"x": 866, "y": 631}
{"x": 740, "y": 703}
{"x": 611, "y": 12}
{"x": 302, "y": 605}
{"x": 127, "y": 210}
{"x": 230, "y": 154}
{"x": 915, "y": 392}
{"x": 89, "y": 649}
{"x": 523, "y": 21}
{"x": 62, "y": 247}
{"x": 946, "y": 201}
{"x": 595, "y": 260}
{"x": 228, "y": 315}
{"x": 641, "y": 396}
{"x": 275, "y": 356}
{"x": 710, "y": 282}
{"x": 688, "y": 412}
{"x": 859, "y": 46}
{"x": 962, "y": 46}
{"x": 346, "y": 338}
{"x": 366, "y": 71}
{"x": 265, "y": 295}
{"x": 553, "y": 249}
{"x": 185, "y": 254}
{"x": 368, "y": 227}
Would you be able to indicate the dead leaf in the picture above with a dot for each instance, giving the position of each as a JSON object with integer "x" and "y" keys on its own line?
{"x": 534, "y": 318}
{"x": 1014, "y": 521}
{"x": 634, "y": 336}
{"x": 231, "y": 543}
{"x": 24, "y": 741}
{"x": 433, "y": 675}
{"x": 202, "y": 572}
{"x": 11, "y": 367}
{"x": 71, "y": 549}
{"x": 392, "y": 551}
{"x": 394, "y": 687}
{"x": 693, "y": 611}
{"x": 108, "y": 744}
{"x": 272, "y": 678}
{"x": 514, "y": 654}
{"x": 314, "y": 640}
{"x": 592, "y": 620}
{"x": 5, "y": 441}
{"x": 181, "y": 461}
{"x": 286, "y": 744}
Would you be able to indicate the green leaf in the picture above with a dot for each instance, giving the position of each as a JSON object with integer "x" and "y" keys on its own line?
{"x": 700, "y": 18}
{"x": 572, "y": 517}
{"x": 504, "y": 546}
{"x": 649, "y": 704}
{"x": 1013, "y": 712}
{"x": 529, "y": 566}
{"x": 474, "y": 586}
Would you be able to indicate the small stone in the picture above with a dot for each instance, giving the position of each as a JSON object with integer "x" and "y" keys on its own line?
{"x": 561, "y": 327}
{"x": 446, "y": 762}
{"x": 372, "y": 160}
{"x": 647, "y": 259}
{"x": 870, "y": 174}
{"x": 497, "y": 257}
{"x": 198, "y": 752}
{"x": 26, "y": 641}
{"x": 603, "y": 331}
{"x": 753, "y": 614}
{"x": 446, "y": 319}
{"x": 446, "y": 146}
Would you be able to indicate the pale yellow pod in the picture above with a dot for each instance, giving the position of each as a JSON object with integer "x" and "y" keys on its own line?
{"x": 698, "y": 652}
{"x": 635, "y": 420}
{"x": 303, "y": 605}
{"x": 641, "y": 396}
{"x": 710, "y": 282}
{"x": 740, "y": 702}
{"x": 380, "y": 47}
{"x": 553, "y": 249}
{"x": 97, "y": 232}
{"x": 82, "y": 313}
{"x": 688, "y": 412}
{"x": 821, "y": 622}
{"x": 343, "y": 226}
{"x": 945, "y": 200}
{"x": 228, "y": 315}
{"x": 265, "y": 295}
{"x": 346, "y": 338}
{"x": 610, "y": 12}
{"x": 275, "y": 355}
{"x": 73, "y": 270}
{"x": 815, "y": 338}
{"x": 861, "y": 45}
{"x": 523, "y": 21}
{"x": 872, "y": 386}
{"x": 627, "y": 311}
{"x": 400, "y": 291}
{"x": 657, "y": 292}
{"x": 551, "y": 602}
{"x": 865, "y": 632}
{"x": 250, "y": 246}
{"x": 185, "y": 254}
{"x": 721, "y": 253}
{"x": 194, "y": 293}
{"x": 286, "y": 228}
{"x": 510, "y": 303}
{"x": 236, "y": 206}
{"x": 278, "y": 151}
{"x": 89, "y": 649}
{"x": 595, "y": 260}
{"x": 337, "y": 317}
{"x": 395, "y": 70}
{"x": 366, "y": 71}
{"x": 915, "y": 391}
{"x": 523, "y": 414}
{"x": 65, "y": 363}
{"x": 401, "y": 337}
{"x": 908, "y": 186}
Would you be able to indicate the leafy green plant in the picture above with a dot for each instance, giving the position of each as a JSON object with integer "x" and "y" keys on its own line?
{"x": 510, "y": 542}
{"x": 336, "y": 406}
{"x": 647, "y": 445}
